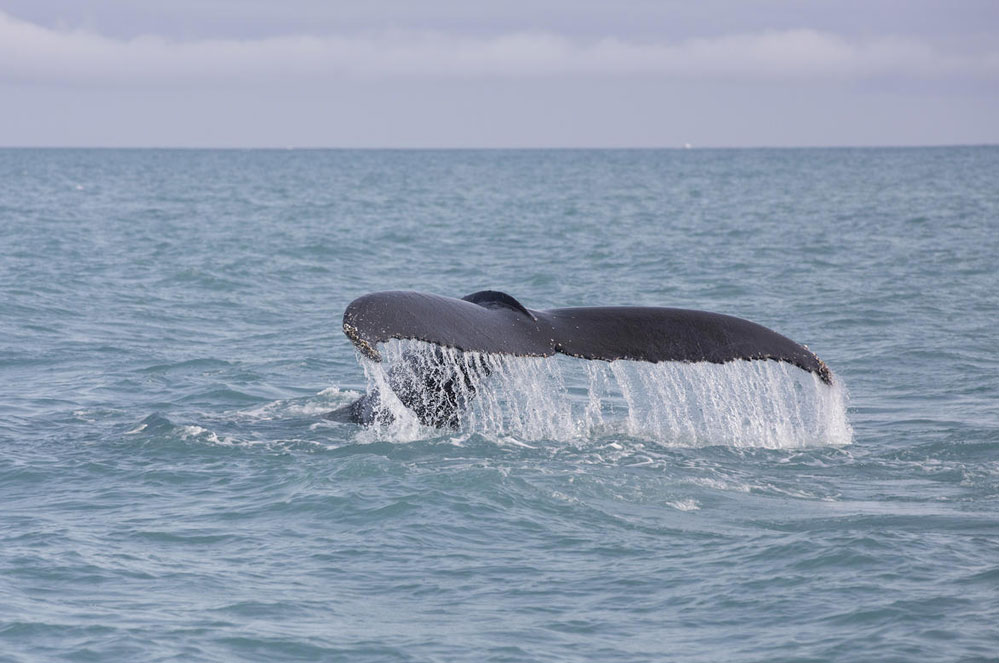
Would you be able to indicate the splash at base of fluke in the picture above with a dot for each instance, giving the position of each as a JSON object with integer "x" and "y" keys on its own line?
{"x": 744, "y": 404}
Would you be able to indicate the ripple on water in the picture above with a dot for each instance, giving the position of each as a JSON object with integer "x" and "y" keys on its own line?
{"x": 170, "y": 339}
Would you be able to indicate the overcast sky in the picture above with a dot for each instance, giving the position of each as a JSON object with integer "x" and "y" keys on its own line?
{"x": 518, "y": 73}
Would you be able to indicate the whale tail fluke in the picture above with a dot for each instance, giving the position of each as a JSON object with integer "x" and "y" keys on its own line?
{"x": 491, "y": 322}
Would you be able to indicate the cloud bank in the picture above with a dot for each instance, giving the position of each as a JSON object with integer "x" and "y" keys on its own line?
{"x": 33, "y": 53}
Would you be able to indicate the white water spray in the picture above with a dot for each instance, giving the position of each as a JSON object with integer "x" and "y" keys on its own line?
{"x": 741, "y": 403}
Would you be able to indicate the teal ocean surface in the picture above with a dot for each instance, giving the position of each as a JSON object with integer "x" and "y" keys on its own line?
{"x": 170, "y": 340}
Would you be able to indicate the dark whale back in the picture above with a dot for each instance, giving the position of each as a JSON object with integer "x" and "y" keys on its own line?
{"x": 494, "y": 322}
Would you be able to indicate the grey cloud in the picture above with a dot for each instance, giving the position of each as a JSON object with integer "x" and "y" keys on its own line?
{"x": 945, "y": 23}
{"x": 31, "y": 52}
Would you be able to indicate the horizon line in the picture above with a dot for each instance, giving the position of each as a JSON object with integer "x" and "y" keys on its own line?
{"x": 429, "y": 148}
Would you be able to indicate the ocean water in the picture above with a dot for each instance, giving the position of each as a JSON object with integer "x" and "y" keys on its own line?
{"x": 170, "y": 340}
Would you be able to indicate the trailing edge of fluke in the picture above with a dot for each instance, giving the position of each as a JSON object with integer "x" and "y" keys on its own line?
{"x": 494, "y": 322}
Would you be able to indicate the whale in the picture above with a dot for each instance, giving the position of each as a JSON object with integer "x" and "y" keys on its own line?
{"x": 490, "y": 322}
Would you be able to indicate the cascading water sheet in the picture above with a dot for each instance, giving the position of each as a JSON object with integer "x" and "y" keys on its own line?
{"x": 741, "y": 403}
